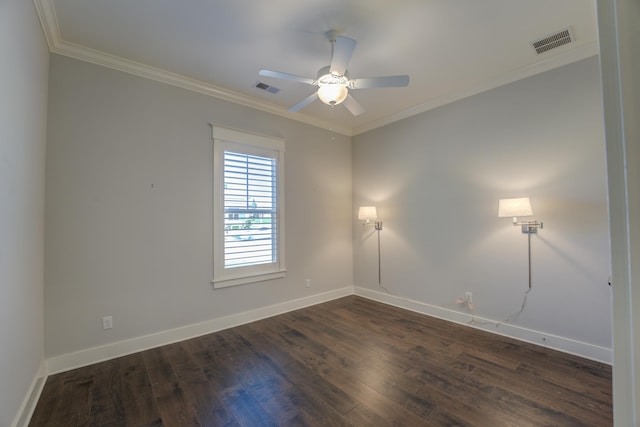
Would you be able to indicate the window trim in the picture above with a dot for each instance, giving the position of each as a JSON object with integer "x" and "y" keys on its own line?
{"x": 226, "y": 139}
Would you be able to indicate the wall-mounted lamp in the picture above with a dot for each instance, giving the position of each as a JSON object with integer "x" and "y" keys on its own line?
{"x": 369, "y": 217}
{"x": 520, "y": 207}
{"x": 369, "y": 214}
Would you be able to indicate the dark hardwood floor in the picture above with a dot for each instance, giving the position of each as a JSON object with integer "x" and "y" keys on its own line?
{"x": 346, "y": 362}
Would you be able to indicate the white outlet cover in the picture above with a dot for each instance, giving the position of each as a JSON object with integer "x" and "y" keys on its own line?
{"x": 107, "y": 322}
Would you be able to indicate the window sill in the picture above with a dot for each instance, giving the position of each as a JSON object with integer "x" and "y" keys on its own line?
{"x": 226, "y": 283}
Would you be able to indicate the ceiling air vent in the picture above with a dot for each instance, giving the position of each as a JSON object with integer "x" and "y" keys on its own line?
{"x": 552, "y": 41}
{"x": 264, "y": 86}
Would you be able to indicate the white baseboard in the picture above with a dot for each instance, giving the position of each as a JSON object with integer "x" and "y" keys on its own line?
{"x": 588, "y": 351}
{"x": 66, "y": 362}
{"x": 89, "y": 356}
{"x": 31, "y": 398}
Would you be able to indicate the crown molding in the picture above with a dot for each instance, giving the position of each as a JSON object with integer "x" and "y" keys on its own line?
{"x": 49, "y": 22}
{"x": 568, "y": 57}
{"x": 141, "y": 70}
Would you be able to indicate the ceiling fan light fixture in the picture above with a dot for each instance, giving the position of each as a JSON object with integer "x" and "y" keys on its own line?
{"x": 332, "y": 93}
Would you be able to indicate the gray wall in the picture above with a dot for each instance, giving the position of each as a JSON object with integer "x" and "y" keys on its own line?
{"x": 116, "y": 246}
{"x": 23, "y": 118}
{"x": 437, "y": 177}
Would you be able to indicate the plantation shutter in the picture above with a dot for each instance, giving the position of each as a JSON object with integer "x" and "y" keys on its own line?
{"x": 250, "y": 208}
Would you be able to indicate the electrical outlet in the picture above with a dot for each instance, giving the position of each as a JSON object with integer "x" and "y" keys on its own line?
{"x": 468, "y": 297}
{"x": 307, "y": 283}
{"x": 107, "y": 322}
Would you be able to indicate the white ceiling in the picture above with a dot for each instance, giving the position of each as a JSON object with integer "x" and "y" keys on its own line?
{"x": 449, "y": 48}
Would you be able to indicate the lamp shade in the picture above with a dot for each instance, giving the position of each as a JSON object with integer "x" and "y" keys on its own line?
{"x": 367, "y": 213}
{"x": 514, "y": 207}
{"x": 332, "y": 93}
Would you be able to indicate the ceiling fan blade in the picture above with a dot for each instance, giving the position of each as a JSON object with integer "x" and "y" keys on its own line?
{"x": 308, "y": 100}
{"x": 373, "y": 82}
{"x": 353, "y": 106}
{"x": 342, "y": 50}
{"x": 286, "y": 76}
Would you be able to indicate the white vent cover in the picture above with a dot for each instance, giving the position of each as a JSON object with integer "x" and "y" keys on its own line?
{"x": 552, "y": 41}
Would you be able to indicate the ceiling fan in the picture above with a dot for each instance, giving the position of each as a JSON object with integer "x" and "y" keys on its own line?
{"x": 333, "y": 80}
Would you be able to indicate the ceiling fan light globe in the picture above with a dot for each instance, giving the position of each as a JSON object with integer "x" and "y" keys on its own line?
{"x": 332, "y": 94}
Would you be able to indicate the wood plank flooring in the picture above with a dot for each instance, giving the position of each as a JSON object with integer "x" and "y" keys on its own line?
{"x": 348, "y": 362}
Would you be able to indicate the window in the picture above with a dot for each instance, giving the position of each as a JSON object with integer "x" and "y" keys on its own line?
{"x": 248, "y": 219}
